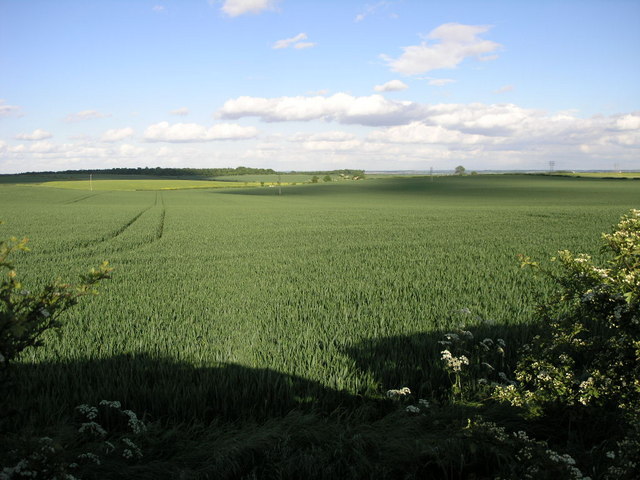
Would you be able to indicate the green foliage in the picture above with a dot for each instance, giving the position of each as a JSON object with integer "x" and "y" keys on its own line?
{"x": 460, "y": 170}
{"x": 315, "y": 179}
{"x": 591, "y": 353}
{"x": 473, "y": 364}
{"x": 326, "y": 178}
{"x": 102, "y": 440}
{"x": 25, "y": 316}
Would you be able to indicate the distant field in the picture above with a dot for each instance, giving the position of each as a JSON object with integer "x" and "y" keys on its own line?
{"x": 238, "y": 303}
{"x": 147, "y": 184}
{"x": 273, "y": 179}
{"x": 130, "y": 183}
{"x": 603, "y": 174}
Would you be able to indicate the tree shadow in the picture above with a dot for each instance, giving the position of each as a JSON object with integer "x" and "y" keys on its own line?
{"x": 162, "y": 389}
{"x": 415, "y": 361}
{"x": 176, "y": 392}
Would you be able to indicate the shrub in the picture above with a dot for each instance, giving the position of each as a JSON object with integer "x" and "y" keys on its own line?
{"x": 25, "y": 315}
{"x": 591, "y": 354}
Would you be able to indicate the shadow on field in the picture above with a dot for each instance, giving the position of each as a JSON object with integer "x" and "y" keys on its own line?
{"x": 176, "y": 392}
{"x": 484, "y": 188}
{"x": 163, "y": 389}
{"x": 414, "y": 361}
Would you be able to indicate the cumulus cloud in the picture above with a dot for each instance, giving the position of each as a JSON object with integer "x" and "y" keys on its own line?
{"x": 128, "y": 150}
{"x": 373, "y": 110}
{"x": 334, "y": 141}
{"x": 440, "y": 82}
{"x": 505, "y": 89}
{"x": 183, "y": 111}
{"x": 453, "y": 43}
{"x": 159, "y": 8}
{"x": 630, "y": 121}
{"x": 43, "y": 147}
{"x": 333, "y": 136}
{"x": 419, "y": 132}
{"x": 235, "y": 8}
{"x": 192, "y": 132}
{"x": 391, "y": 86}
{"x": 37, "y": 134}
{"x": 115, "y": 135}
{"x": 85, "y": 115}
{"x": 295, "y": 42}
{"x": 9, "y": 110}
{"x": 483, "y": 128}
{"x": 303, "y": 45}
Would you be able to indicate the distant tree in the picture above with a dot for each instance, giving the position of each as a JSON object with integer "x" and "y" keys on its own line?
{"x": 474, "y": 172}
{"x": 327, "y": 178}
{"x": 460, "y": 170}
{"x": 315, "y": 179}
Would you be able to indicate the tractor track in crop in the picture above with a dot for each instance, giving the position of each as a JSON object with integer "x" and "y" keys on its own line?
{"x": 80, "y": 199}
{"x": 160, "y": 228}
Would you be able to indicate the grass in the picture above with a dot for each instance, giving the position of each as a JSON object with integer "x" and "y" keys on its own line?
{"x": 241, "y": 305}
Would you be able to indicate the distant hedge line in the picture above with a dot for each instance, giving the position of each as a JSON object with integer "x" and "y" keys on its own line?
{"x": 198, "y": 172}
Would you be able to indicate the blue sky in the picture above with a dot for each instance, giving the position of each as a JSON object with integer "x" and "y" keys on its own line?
{"x": 295, "y": 85}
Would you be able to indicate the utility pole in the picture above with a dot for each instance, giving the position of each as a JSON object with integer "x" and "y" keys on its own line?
{"x": 552, "y": 164}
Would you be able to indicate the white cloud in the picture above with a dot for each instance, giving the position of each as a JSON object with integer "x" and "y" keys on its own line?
{"x": 234, "y": 8}
{"x": 323, "y": 91}
{"x": 481, "y": 128}
{"x": 629, "y": 122}
{"x": 115, "y": 135}
{"x": 372, "y": 9}
{"x": 505, "y": 89}
{"x": 43, "y": 147}
{"x": 85, "y": 115}
{"x": 183, "y": 111}
{"x": 9, "y": 110}
{"x": 295, "y": 42}
{"x": 455, "y": 42}
{"x": 391, "y": 86}
{"x": 373, "y": 110}
{"x": 303, "y": 45}
{"x": 440, "y": 82}
{"x": 335, "y": 141}
{"x": 333, "y": 136}
{"x": 159, "y": 8}
{"x": 192, "y": 132}
{"x": 406, "y": 135}
{"x": 128, "y": 150}
{"x": 418, "y": 132}
{"x": 37, "y": 134}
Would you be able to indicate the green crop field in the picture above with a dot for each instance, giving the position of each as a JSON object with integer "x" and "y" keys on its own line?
{"x": 242, "y": 303}
{"x": 622, "y": 175}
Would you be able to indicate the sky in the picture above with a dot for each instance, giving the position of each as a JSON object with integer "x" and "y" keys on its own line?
{"x": 320, "y": 84}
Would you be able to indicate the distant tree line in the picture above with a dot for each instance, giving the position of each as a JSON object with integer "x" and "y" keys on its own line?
{"x": 175, "y": 172}
{"x": 200, "y": 172}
